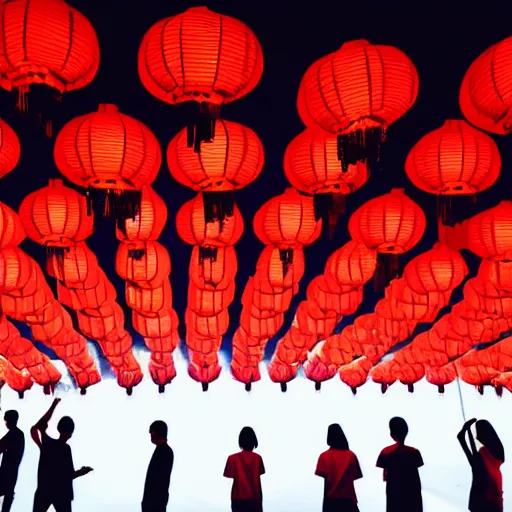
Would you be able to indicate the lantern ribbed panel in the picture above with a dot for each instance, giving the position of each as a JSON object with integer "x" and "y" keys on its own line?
{"x": 11, "y": 228}
{"x": 200, "y": 55}
{"x": 391, "y": 223}
{"x": 486, "y": 91}
{"x": 353, "y": 264}
{"x": 149, "y": 223}
{"x": 15, "y": 269}
{"x": 194, "y": 230}
{"x": 359, "y": 81}
{"x": 231, "y": 161}
{"x": 108, "y": 150}
{"x": 311, "y": 165}
{"x": 46, "y": 41}
{"x": 438, "y": 270}
{"x": 287, "y": 220}
{"x": 9, "y": 149}
{"x": 490, "y": 232}
{"x": 56, "y": 215}
{"x": 454, "y": 159}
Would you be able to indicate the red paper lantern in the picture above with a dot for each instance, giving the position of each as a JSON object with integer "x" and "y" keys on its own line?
{"x": 353, "y": 264}
{"x": 214, "y": 273}
{"x": 356, "y": 93}
{"x": 200, "y": 56}
{"x": 9, "y": 148}
{"x": 56, "y": 216}
{"x": 486, "y": 94}
{"x": 110, "y": 152}
{"x": 11, "y": 228}
{"x": 16, "y": 269}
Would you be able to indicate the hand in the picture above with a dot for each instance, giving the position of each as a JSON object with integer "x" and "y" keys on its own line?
{"x": 56, "y": 402}
{"x": 469, "y": 423}
{"x": 86, "y": 469}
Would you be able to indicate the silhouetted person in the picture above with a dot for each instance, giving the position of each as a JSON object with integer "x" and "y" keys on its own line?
{"x": 56, "y": 471}
{"x": 158, "y": 477}
{"x": 12, "y": 446}
{"x": 246, "y": 468}
{"x": 487, "y": 488}
{"x": 339, "y": 468}
{"x": 400, "y": 464}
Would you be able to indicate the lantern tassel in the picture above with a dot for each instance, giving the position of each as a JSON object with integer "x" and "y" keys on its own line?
{"x": 284, "y": 386}
{"x": 218, "y": 206}
{"x": 248, "y": 386}
{"x": 207, "y": 253}
{"x": 452, "y": 210}
{"x": 136, "y": 254}
{"x": 387, "y": 270}
{"x": 329, "y": 207}
{"x": 440, "y": 388}
{"x": 114, "y": 202}
{"x": 286, "y": 257}
{"x": 202, "y": 125}
{"x": 361, "y": 145}
{"x": 57, "y": 255}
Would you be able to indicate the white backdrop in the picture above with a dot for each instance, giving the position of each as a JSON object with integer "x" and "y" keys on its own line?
{"x": 112, "y": 436}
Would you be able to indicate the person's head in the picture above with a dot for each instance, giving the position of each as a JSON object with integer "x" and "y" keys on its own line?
{"x": 398, "y": 429}
{"x": 486, "y": 434}
{"x": 158, "y": 432}
{"x": 247, "y": 439}
{"x": 336, "y": 438}
{"x": 66, "y": 427}
{"x": 11, "y": 419}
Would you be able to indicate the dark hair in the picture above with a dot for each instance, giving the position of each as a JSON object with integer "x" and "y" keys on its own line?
{"x": 66, "y": 425}
{"x": 486, "y": 434}
{"x": 247, "y": 439}
{"x": 398, "y": 429}
{"x": 11, "y": 417}
{"x": 336, "y": 437}
{"x": 159, "y": 428}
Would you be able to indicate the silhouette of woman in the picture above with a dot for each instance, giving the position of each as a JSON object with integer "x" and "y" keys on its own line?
{"x": 486, "y": 493}
{"x": 339, "y": 467}
{"x": 245, "y": 468}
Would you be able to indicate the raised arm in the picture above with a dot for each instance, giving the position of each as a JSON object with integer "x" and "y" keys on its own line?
{"x": 470, "y": 451}
{"x": 42, "y": 424}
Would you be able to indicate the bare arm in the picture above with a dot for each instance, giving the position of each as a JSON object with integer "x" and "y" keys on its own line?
{"x": 41, "y": 425}
{"x": 82, "y": 472}
{"x": 470, "y": 451}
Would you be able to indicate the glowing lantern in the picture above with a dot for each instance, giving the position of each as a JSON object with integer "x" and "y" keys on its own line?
{"x": 439, "y": 270}
{"x": 112, "y": 155}
{"x": 46, "y": 42}
{"x": 270, "y": 269}
{"x": 16, "y": 269}
{"x": 213, "y": 273}
{"x": 9, "y": 148}
{"x": 453, "y": 160}
{"x": 356, "y": 93}
{"x": 11, "y": 228}
{"x": 200, "y": 56}
{"x": 486, "y": 94}
{"x": 499, "y": 273}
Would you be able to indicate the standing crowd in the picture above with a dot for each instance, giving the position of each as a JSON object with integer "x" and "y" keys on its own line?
{"x": 338, "y": 466}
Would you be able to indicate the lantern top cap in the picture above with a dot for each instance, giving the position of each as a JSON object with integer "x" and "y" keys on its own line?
{"x": 54, "y": 183}
{"x": 397, "y": 191}
{"x": 201, "y": 8}
{"x": 108, "y": 108}
{"x": 356, "y": 43}
{"x": 450, "y": 123}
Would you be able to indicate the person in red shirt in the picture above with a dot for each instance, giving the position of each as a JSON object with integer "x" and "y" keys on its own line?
{"x": 339, "y": 468}
{"x": 245, "y": 468}
{"x": 400, "y": 464}
{"x": 487, "y": 488}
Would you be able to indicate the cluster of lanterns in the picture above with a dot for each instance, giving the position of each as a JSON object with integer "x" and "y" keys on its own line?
{"x": 347, "y": 100}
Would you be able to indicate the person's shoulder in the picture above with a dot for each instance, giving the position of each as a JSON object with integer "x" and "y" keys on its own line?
{"x": 388, "y": 449}
{"x": 412, "y": 450}
{"x": 169, "y": 451}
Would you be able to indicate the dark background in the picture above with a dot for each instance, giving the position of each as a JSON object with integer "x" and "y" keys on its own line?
{"x": 442, "y": 39}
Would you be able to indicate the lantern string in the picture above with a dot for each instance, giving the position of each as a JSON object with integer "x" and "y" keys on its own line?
{"x": 461, "y": 401}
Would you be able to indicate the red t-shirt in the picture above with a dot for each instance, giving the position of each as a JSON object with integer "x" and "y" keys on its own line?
{"x": 245, "y": 468}
{"x": 339, "y": 468}
{"x": 494, "y": 492}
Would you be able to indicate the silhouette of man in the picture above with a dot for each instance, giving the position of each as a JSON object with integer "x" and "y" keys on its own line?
{"x": 158, "y": 477}
{"x": 56, "y": 471}
{"x": 12, "y": 446}
{"x": 400, "y": 464}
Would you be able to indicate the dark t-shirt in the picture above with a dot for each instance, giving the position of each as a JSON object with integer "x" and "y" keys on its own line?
{"x": 158, "y": 477}
{"x": 14, "y": 445}
{"x": 56, "y": 469}
{"x": 403, "y": 487}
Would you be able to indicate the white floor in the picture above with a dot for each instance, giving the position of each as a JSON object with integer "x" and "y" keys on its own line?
{"x": 112, "y": 436}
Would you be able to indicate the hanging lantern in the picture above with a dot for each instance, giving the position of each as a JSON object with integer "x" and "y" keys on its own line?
{"x": 113, "y": 156}
{"x": 11, "y": 228}
{"x": 200, "y": 56}
{"x": 232, "y": 161}
{"x": 486, "y": 94}
{"x": 287, "y": 221}
{"x": 311, "y": 165}
{"x": 46, "y": 42}
{"x": 270, "y": 269}
{"x": 16, "y": 269}
{"x": 499, "y": 273}
{"x": 213, "y": 273}
{"x": 356, "y": 93}
{"x": 453, "y": 160}
{"x": 439, "y": 270}
{"x": 9, "y": 148}
{"x": 391, "y": 224}
{"x": 148, "y": 223}
{"x": 56, "y": 217}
